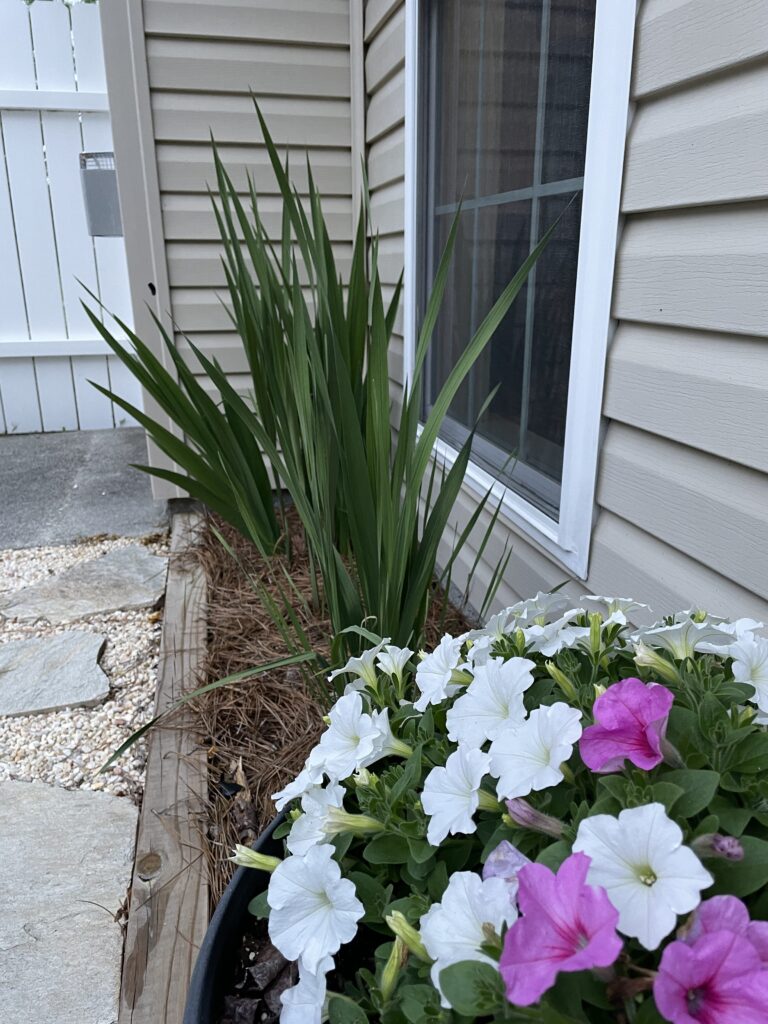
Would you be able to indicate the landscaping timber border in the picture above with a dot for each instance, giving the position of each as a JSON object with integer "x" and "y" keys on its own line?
{"x": 169, "y": 896}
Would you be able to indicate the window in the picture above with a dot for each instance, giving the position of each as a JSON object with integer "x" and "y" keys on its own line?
{"x": 519, "y": 109}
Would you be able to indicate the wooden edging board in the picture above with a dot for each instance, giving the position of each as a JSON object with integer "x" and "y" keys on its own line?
{"x": 168, "y": 912}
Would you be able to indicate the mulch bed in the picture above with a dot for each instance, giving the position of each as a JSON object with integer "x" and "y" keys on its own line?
{"x": 259, "y": 732}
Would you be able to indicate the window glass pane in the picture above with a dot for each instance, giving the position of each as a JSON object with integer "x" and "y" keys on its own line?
{"x": 550, "y": 352}
{"x": 487, "y": 49}
{"x": 503, "y": 242}
{"x": 510, "y": 74}
{"x": 454, "y": 324}
{"x": 507, "y": 99}
{"x": 569, "y": 69}
{"x": 457, "y": 71}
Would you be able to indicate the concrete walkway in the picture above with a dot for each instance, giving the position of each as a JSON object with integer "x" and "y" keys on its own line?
{"x": 57, "y": 488}
{"x": 66, "y": 858}
{"x": 66, "y": 854}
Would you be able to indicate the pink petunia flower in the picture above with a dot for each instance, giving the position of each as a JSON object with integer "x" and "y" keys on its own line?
{"x": 717, "y": 980}
{"x": 567, "y": 926}
{"x": 728, "y": 913}
{"x": 631, "y": 719}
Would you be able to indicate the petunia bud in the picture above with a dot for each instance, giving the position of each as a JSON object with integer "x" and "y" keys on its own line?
{"x": 392, "y": 968}
{"x": 672, "y": 755}
{"x": 460, "y": 678}
{"x": 599, "y": 690}
{"x": 487, "y": 802}
{"x": 505, "y": 861}
{"x": 522, "y": 814}
{"x": 364, "y": 778}
{"x": 399, "y": 924}
{"x": 647, "y": 657}
{"x": 722, "y": 847}
{"x": 337, "y": 820}
{"x": 562, "y": 680}
{"x": 595, "y": 633}
{"x": 248, "y": 858}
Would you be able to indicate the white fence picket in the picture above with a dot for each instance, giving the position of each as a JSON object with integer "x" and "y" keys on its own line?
{"x": 94, "y": 411}
{"x": 52, "y": 44}
{"x": 124, "y": 384}
{"x": 57, "y": 401}
{"x": 34, "y": 227}
{"x": 56, "y": 51}
{"x": 63, "y": 143}
{"x": 13, "y": 322}
{"x": 20, "y": 401}
{"x": 89, "y": 55}
{"x": 17, "y": 66}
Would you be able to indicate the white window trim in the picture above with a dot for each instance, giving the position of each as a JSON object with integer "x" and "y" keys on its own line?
{"x": 567, "y": 540}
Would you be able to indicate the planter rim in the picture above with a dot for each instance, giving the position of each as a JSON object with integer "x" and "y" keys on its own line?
{"x": 224, "y": 932}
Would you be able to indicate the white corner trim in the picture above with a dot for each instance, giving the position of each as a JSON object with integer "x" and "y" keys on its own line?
{"x": 567, "y": 540}
{"x": 357, "y": 102}
{"x": 125, "y": 59}
{"x": 411, "y": 131}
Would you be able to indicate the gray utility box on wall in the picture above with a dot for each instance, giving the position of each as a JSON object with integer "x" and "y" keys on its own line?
{"x": 102, "y": 206}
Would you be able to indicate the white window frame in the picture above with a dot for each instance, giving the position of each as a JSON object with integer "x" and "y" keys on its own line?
{"x": 568, "y": 538}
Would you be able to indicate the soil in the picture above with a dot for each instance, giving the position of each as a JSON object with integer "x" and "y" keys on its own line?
{"x": 259, "y": 976}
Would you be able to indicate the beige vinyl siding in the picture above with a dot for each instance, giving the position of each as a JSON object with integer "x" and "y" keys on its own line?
{"x": 203, "y": 59}
{"x": 682, "y": 497}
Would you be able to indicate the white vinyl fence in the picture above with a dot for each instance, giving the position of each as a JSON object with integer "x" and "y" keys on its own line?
{"x": 53, "y": 106}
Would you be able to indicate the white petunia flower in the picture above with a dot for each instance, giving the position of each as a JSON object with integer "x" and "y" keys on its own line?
{"x": 362, "y": 668}
{"x": 750, "y": 665}
{"x": 309, "y": 777}
{"x": 529, "y": 757}
{"x": 433, "y": 673}
{"x": 500, "y": 624}
{"x": 480, "y": 652}
{"x": 351, "y": 741}
{"x": 387, "y": 743}
{"x": 613, "y": 609}
{"x": 309, "y": 829}
{"x": 456, "y": 928}
{"x": 650, "y": 877}
{"x": 451, "y": 794}
{"x": 742, "y": 629}
{"x": 304, "y": 1002}
{"x": 313, "y": 910}
{"x": 555, "y": 636}
{"x": 540, "y": 609}
{"x": 737, "y": 627}
{"x": 392, "y": 660}
{"x": 683, "y": 639}
{"x": 493, "y": 701}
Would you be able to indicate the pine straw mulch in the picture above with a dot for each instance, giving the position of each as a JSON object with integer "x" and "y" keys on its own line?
{"x": 260, "y": 731}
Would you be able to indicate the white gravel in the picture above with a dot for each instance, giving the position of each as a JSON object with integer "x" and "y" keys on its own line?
{"x": 67, "y": 748}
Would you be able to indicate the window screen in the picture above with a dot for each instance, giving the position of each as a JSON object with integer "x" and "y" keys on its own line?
{"x": 505, "y": 96}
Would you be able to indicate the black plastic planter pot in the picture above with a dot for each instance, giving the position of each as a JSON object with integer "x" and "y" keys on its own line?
{"x": 222, "y": 940}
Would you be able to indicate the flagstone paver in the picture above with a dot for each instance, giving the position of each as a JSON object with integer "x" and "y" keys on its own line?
{"x": 52, "y": 672}
{"x": 66, "y": 861}
{"x": 123, "y": 579}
